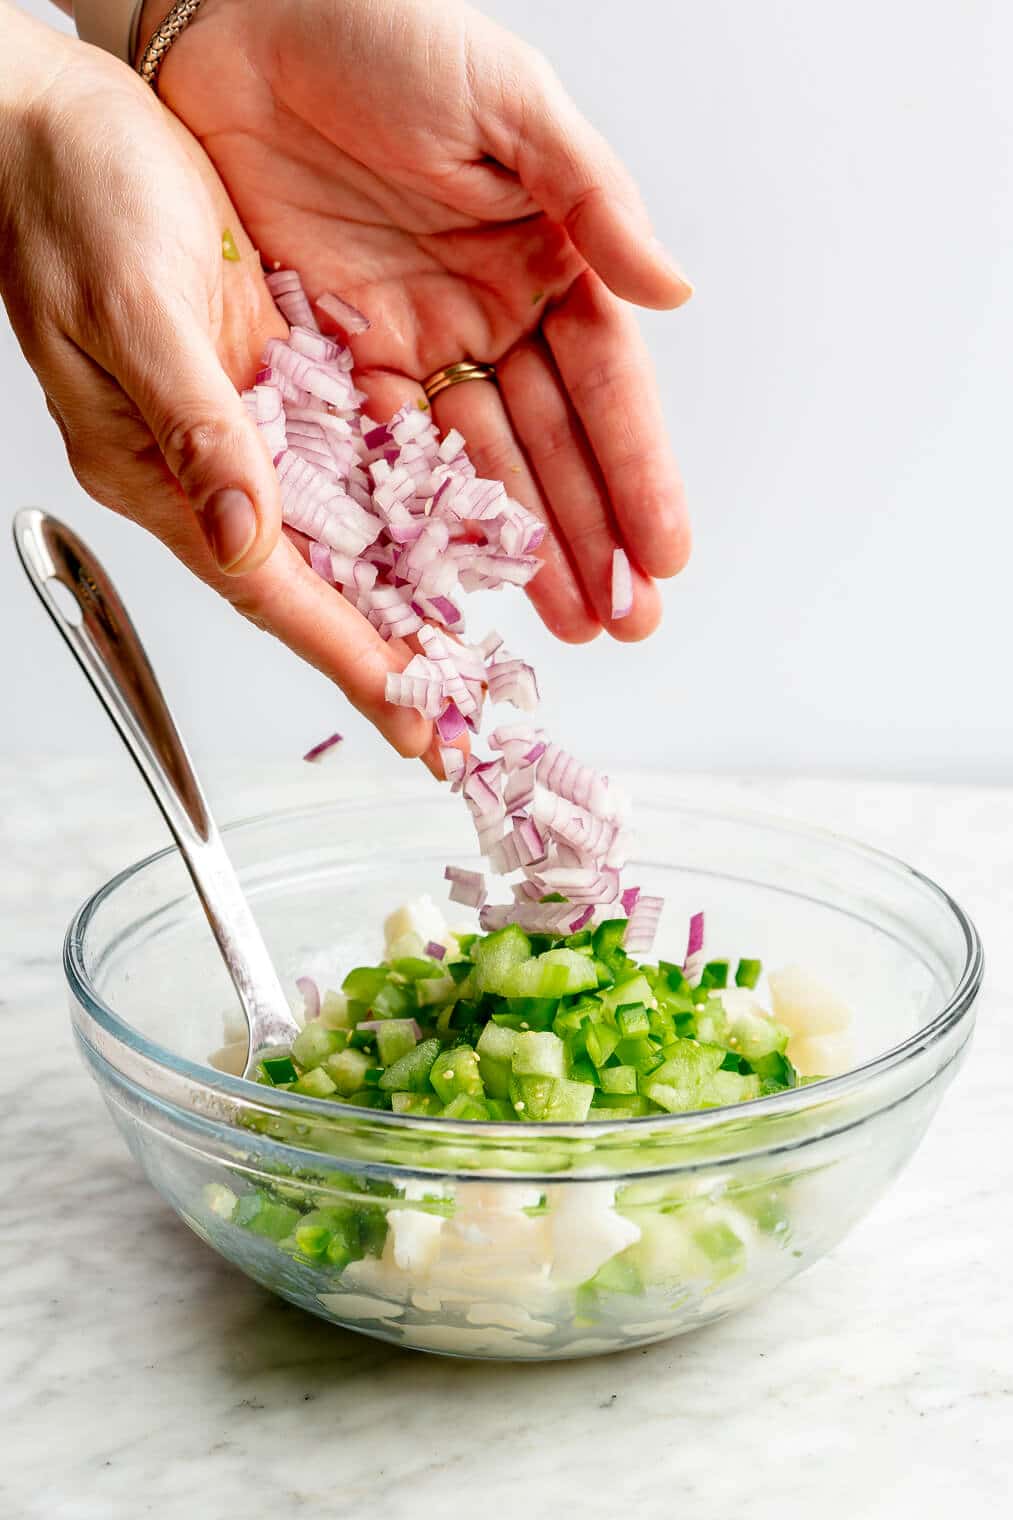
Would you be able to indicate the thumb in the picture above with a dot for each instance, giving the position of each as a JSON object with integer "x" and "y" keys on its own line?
{"x": 577, "y": 179}
{"x": 210, "y": 444}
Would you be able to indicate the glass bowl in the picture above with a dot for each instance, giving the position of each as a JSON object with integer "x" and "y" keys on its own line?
{"x": 526, "y": 1240}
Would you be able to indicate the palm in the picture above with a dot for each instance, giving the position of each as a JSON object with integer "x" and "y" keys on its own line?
{"x": 412, "y": 198}
{"x": 445, "y": 288}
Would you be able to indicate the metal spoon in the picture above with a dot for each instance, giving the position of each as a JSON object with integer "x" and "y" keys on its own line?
{"x": 105, "y": 643}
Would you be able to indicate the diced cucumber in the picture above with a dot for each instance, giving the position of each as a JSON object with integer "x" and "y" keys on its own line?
{"x": 262, "y": 1215}
{"x": 583, "y": 1070}
{"x": 630, "y": 1105}
{"x": 395, "y": 1000}
{"x": 456, "y": 1072}
{"x": 538, "y": 1054}
{"x": 600, "y": 1041}
{"x": 410, "y": 1072}
{"x": 675, "y": 1100}
{"x": 534, "y": 1012}
{"x": 417, "y": 968}
{"x": 609, "y": 937}
{"x": 394, "y": 1038}
{"x": 731, "y": 1087}
{"x": 641, "y": 1053}
{"x": 618, "y": 1079}
{"x": 465, "y": 1106}
{"x": 754, "y": 1036}
{"x": 315, "y": 1084}
{"x": 715, "y": 974}
{"x": 314, "y": 1044}
{"x": 691, "y": 1065}
{"x": 363, "y": 984}
{"x": 556, "y": 974}
{"x": 416, "y": 1103}
{"x": 495, "y": 1053}
{"x": 347, "y": 1070}
{"x": 278, "y": 1070}
{"x": 635, "y": 989}
{"x": 433, "y": 990}
{"x": 334, "y": 1011}
{"x": 748, "y": 973}
{"x": 632, "y": 1019}
{"x": 497, "y": 954}
{"x": 500, "y": 1109}
{"x": 550, "y": 1099}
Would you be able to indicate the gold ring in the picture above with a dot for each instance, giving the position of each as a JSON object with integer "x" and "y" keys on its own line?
{"x": 456, "y": 374}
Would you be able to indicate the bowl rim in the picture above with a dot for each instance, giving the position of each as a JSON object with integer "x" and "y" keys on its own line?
{"x": 215, "y": 1085}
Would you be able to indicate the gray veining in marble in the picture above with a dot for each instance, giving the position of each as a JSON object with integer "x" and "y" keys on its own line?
{"x": 140, "y": 1376}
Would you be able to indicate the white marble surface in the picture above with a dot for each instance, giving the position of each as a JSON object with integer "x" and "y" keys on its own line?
{"x": 140, "y": 1376}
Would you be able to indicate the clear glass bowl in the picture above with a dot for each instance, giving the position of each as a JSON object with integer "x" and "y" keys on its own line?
{"x": 526, "y": 1240}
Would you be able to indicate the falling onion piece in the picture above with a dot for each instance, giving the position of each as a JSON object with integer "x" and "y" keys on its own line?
{"x": 622, "y": 586}
{"x": 466, "y": 887}
{"x": 693, "y": 965}
{"x": 325, "y": 746}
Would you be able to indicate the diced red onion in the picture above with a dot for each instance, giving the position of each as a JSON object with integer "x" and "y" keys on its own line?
{"x": 622, "y": 586}
{"x": 436, "y": 951}
{"x": 450, "y": 724}
{"x": 343, "y": 313}
{"x": 466, "y": 887}
{"x": 318, "y": 751}
{"x": 310, "y": 996}
{"x": 454, "y": 765}
{"x": 693, "y": 965}
{"x": 290, "y": 298}
{"x": 642, "y": 924}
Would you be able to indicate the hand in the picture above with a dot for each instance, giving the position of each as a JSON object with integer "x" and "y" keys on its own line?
{"x": 111, "y": 267}
{"x": 427, "y": 165}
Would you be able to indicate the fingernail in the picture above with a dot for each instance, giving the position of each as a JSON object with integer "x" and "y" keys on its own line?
{"x": 675, "y": 269}
{"x": 230, "y": 526}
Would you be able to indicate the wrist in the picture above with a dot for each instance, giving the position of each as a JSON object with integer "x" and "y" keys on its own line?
{"x": 34, "y": 54}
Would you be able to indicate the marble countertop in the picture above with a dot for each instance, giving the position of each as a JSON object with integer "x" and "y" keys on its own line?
{"x": 140, "y": 1376}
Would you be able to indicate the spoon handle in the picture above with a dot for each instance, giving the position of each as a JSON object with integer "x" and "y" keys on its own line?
{"x": 105, "y": 643}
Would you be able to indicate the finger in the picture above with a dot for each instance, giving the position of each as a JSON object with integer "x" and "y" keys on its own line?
{"x": 555, "y": 443}
{"x": 115, "y": 460}
{"x": 208, "y": 441}
{"x": 606, "y": 368}
{"x": 478, "y": 413}
{"x": 575, "y": 177}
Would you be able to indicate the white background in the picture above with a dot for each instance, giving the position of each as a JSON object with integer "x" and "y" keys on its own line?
{"x": 836, "y": 180}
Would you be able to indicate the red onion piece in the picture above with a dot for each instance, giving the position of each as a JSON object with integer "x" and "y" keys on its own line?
{"x": 466, "y": 887}
{"x": 325, "y": 746}
{"x": 642, "y": 925}
{"x": 622, "y": 586}
{"x": 342, "y": 313}
{"x": 693, "y": 965}
{"x": 310, "y": 996}
{"x": 290, "y": 298}
{"x": 450, "y": 724}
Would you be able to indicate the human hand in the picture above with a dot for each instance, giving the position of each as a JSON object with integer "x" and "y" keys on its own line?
{"x": 111, "y": 268}
{"x": 429, "y": 166}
